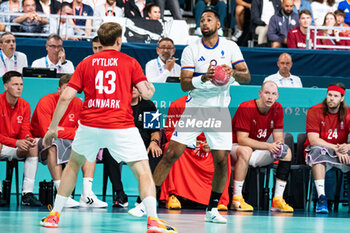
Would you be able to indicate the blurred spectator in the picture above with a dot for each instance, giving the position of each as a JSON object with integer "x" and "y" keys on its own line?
{"x": 218, "y": 5}
{"x": 330, "y": 21}
{"x": 10, "y": 58}
{"x": 153, "y": 11}
{"x": 109, "y": 8}
{"x": 96, "y": 45}
{"x": 172, "y": 5}
{"x": 64, "y": 27}
{"x": 81, "y": 9}
{"x": 11, "y": 6}
{"x": 56, "y": 56}
{"x": 242, "y": 6}
{"x": 340, "y": 15}
{"x": 345, "y": 6}
{"x": 281, "y": 23}
{"x": 300, "y": 5}
{"x": 297, "y": 36}
{"x": 30, "y": 21}
{"x": 129, "y": 8}
{"x": 284, "y": 78}
{"x": 320, "y": 8}
{"x": 261, "y": 12}
{"x": 164, "y": 66}
{"x": 47, "y": 6}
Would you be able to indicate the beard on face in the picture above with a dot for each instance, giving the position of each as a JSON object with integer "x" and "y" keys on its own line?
{"x": 209, "y": 33}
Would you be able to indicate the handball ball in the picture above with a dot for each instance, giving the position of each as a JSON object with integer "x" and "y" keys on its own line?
{"x": 220, "y": 77}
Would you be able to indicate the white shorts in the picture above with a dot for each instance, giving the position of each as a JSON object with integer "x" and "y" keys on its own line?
{"x": 9, "y": 153}
{"x": 219, "y": 136}
{"x": 123, "y": 144}
{"x": 259, "y": 158}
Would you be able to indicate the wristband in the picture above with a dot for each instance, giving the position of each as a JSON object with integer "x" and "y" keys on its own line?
{"x": 65, "y": 62}
{"x": 197, "y": 81}
{"x": 155, "y": 140}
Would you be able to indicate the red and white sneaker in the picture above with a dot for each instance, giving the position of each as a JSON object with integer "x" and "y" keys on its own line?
{"x": 51, "y": 221}
{"x": 156, "y": 225}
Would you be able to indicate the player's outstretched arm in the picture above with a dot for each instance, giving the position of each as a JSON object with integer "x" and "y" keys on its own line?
{"x": 241, "y": 73}
{"x": 65, "y": 98}
{"x": 146, "y": 89}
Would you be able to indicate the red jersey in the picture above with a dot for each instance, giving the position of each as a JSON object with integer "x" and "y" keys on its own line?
{"x": 14, "y": 122}
{"x": 43, "y": 113}
{"x": 328, "y": 127}
{"x": 297, "y": 40}
{"x": 259, "y": 126}
{"x": 107, "y": 79}
{"x": 330, "y": 41}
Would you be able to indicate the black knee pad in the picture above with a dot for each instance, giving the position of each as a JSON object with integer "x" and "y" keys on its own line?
{"x": 283, "y": 170}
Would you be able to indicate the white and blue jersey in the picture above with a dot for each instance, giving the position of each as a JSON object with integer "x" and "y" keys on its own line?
{"x": 197, "y": 57}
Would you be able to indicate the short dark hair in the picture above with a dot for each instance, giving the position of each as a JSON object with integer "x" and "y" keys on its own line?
{"x": 166, "y": 39}
{"x": 5, "y": 34}
{"x": 53, "y": 36}
{"x": 8, "y": 75}
{"x": 96, "y": 39}
{"x": 108, "y": 33}
{"x": 211, "y": 9}
{"x": 306, "y": 12}
{"x": 150, "y": 5}
{"x": 64, "y": 79}
{"x": 340, "y": 12}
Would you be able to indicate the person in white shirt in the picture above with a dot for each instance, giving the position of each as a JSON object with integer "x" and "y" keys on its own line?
{"x": 164, "y": 66}
{"x": 108, "y": 9}
{"x": 61, "y": 25}
{"x": 10, "y": 59}
{"x": 283, "y": 78}
{"x": 56, "y": 56}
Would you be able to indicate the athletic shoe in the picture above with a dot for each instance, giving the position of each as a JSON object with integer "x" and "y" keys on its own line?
{"x": 138, "y": 211}
{"x": 280, "y": 205}
{"x": 214, "y": 216}
{"x": 71, "y": 203}
{"x": 322, "y": 205}
{"x": 51, "y": 221}
{"x": 28, "y": 199}
{"x": 222, "y": 207}
{"x": 239, "y": 204}
{"x": 220, "y": 32}
{"x": 173, "y": 203}
{"x": 237, "y": 34}
{"x": 121, "y": 201}
{"x": 156, "y": 225}
{"x": 2, "y": 201}
{"x": 198, "y": 32}
{"x": 91, "y": 201}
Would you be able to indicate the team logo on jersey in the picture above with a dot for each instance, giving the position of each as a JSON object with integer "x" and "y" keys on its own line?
{"x": 71, "y": 117}
{"x": 272, "y": 124}
{"x": 19, "y": 119}
{"x": 222, "y": 54}
{"x": 346, "y": 10}
{"x": 341, "y": 125}
{"x": 201, "y": 58}
{"x": 254, "y": 122}
{"x": 151, "y": 120}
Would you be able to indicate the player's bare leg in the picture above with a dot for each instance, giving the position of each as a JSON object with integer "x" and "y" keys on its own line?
{"x": 173, "y": 153}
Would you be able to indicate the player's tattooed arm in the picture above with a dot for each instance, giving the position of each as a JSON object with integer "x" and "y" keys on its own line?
{"x": 241, "y": 73}
{"x": 146, "y": 89}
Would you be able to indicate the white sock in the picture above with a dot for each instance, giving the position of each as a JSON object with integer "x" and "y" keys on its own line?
{"x": 150, "y": 206}
{"x": 237, "y": 187}
{"x": 29, "y": 172}
{"x": 320, "y": 187}
{"x": 57, "y": 184}
{"x": 60, "y": 201}
{"x": 279, "y": 188}
{"x": 87, "y": 186}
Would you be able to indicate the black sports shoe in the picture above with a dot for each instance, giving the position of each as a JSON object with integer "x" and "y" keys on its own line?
{"x": 121, "y": 201}
{"x": 28, "y": 199}
{"x": 2, "y": 201}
